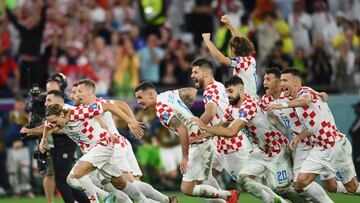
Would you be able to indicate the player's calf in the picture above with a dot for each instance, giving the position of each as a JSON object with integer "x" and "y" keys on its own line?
{"x": 353, "y": 186}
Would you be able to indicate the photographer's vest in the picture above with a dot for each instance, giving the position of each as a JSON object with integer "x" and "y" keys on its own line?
{"x": 153, "y": 11}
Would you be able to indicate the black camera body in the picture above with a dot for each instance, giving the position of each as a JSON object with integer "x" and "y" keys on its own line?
{"x": 41, "y": 159}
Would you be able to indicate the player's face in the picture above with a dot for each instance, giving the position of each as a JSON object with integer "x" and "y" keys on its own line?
{"x": 271, "y": 83}
{"x": 51, "y": 99}
{"x": 83, "y": 94}
{"x": 288, "y": 83}
{"x": 74, "y": 96}
{"x": 233, "y": 94}
{"x": 198, "y": 76}
{"x": 57, "y": 121}
{"x": 144, "y": 98}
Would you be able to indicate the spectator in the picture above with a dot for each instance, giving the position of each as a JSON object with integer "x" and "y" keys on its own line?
{"x": 354, "y": 132}
{"x": 348, "y": 34}
{"x": 102, "y": 61}
{"x": 9, "y": 75}
{"x": 154, "y": 15}
{"x": 300, "y": 24}
{"x": 321, "y": 17}
{"x": 277, "y": 59}
{"x": 18, "y": 157}
{"x": 150, "y": 57}
{"x": 31, "y": 31}
{"x": 320, "y": 63}
{"x": 301, "y": 63}
{"x": 126, "y": 73}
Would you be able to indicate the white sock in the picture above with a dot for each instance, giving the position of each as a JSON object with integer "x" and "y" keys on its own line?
{"x": 134, "y": 193}
{"x": 340, "y": 188}
{"x": 121, "y": 197}
{"x": 290, "y": 194}
{"x": 208, "y": 191}
{"x": 317, "y": 193}
{"x": 75, "y": 183}
{"x": 257, "y": 189}
{"x": 213, "y": 182}
{"x": 150, "y": 192}
{"x": 88, "y": 188}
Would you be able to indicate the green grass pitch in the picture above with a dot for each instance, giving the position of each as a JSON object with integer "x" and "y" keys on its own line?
{"x": 244, "y": 198}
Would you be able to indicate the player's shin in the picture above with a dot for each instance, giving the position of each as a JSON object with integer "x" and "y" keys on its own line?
{"x": 88, "y": 188}
{"x": 151, "y": 192}
{"x": 316, "y": 193}
{"x": 208, "y": 191}
{"x": 121, "y": 197}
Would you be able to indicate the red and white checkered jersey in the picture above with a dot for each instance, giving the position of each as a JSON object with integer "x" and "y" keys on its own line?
{"x": 83, "y": 129}
{"x": 215, "y": 93}
{"x": 263, "y": 133}
{"x": 109, "y": 121}
{"x": 287, "y": 116}
{"x": 318, "y": 119}
{"x": 168, "y": 105}
{"x": 245, "y": 68}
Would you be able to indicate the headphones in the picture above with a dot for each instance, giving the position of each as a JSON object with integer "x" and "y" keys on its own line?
{"x": 61, "y": 78}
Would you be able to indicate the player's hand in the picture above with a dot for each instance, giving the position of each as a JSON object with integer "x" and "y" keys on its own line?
{"x": 42, "y": 145}
{"x": 202, "y": 136}
{"x": 293, "y": 144}
{"x": 274, "y": 106}
{"x": 25, "y": 130}
{"x": 184, "y": 164}
{"x": 324, "y": 96}
{"x": 225, "y": 19}
{"x": 198, "y": 122}
{"x": 137, "y": 129}
{"x": 206, "y": 36}
{"x": 114, "y": 138}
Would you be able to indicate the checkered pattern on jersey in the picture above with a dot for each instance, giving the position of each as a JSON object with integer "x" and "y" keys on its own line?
{"x": 325, "y": 134}
{"x": 164, "y": 113}
{"x": 212, "y": 94}
{"x": 242, "y": 63}
{"x": 270, "y": 141}
{"x": 85, "y": 111}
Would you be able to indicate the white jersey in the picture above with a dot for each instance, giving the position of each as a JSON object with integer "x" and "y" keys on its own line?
{"x": 83, "y": 129}
{"x": 318, "y": 119}
{"x": 245, "y": 68}
{"x": 215, "y": 93}
{"x": 263, "y": 133}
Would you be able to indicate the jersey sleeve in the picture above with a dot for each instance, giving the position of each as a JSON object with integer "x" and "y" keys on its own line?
{"x": 86, "y": 111}
{"x": 227, "y": 118}
{"x": 247, "y": 110}
{"x": 164, "y": 113}
{"x": 211, "y": 94}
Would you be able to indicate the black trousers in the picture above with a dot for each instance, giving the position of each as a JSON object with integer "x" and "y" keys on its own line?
{"x": 36, "y": 71}
{"x": 63, "y": 161}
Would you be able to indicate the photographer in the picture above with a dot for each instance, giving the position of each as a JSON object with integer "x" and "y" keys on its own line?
{"x": 59, "y": 163}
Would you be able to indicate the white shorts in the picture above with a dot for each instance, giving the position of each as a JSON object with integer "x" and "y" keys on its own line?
{"x": 301, "y": 153}
{"x": 101, "y": 158}
{"x": 343, "y": 161}
{"x": 320, "y": 161}
{"x": 171, "y": 158}
{"x": 277, "y": 169}
{"x": 232, "y": 163}
{"x": 200, "y": 158}
{"x": 131, "y": 159}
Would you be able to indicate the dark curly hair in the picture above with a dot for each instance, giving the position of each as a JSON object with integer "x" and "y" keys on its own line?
{"x": 241, "y": 46}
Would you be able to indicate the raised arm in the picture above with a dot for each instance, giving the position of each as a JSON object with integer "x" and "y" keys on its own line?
{"x": 230, "y": 26}
{"x": 214, "y": 51}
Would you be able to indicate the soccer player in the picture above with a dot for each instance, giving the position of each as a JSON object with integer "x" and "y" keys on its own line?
{"x": 269, "y": 156}
{"x": 331, "y": 151}
{"x": 86, "y": 96}
{"x": 95, "y": 142}
{"x": 290, "y": 120}
{"x": 228, "y": 150}
{"x": 243, "y": 63}
{"x": 173, "y": 112}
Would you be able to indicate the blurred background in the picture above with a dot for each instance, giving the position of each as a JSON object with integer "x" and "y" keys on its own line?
{"x": 119, "y": 43}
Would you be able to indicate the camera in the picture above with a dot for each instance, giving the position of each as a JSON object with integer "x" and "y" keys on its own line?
{"x": 36, "y": 106}
{"x": 41, "y": 159}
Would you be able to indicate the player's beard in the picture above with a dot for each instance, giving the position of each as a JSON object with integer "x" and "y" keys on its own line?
{"x": 200, "y": 85}
{"x": 235, "y": 100}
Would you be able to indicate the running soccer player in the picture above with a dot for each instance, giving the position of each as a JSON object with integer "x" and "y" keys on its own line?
{"x": 269, "y": 155}
{"x": 228, "y": 150}
{"x": 331, "y": 151}
{"x": 243, "y": 63}
{"x": 173, "y": 112}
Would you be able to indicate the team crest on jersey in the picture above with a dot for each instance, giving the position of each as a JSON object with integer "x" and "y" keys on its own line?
{"x": 242, "y": 113}
{"x": 208, "y": 97}
{"x": 93, "y": 106}
{"x": 165, "y": 116}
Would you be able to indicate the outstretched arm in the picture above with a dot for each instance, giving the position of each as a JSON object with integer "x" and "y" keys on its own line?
{"x": 230, "y": 131}
{"x": 298, "y": 102}
{"x": 233, "y": 30}
{"x": 188, "y": 95}
{"x": 214, "y": 51}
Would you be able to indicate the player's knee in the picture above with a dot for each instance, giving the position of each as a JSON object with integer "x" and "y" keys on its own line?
{"x": 118, "y": 182}
{"x": 352, "y": 186}
{"x": 330, "y": 186}
{"x": 187, "y": 189}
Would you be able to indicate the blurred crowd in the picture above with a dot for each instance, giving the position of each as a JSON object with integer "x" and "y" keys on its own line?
{"x": 119, "y": 43}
